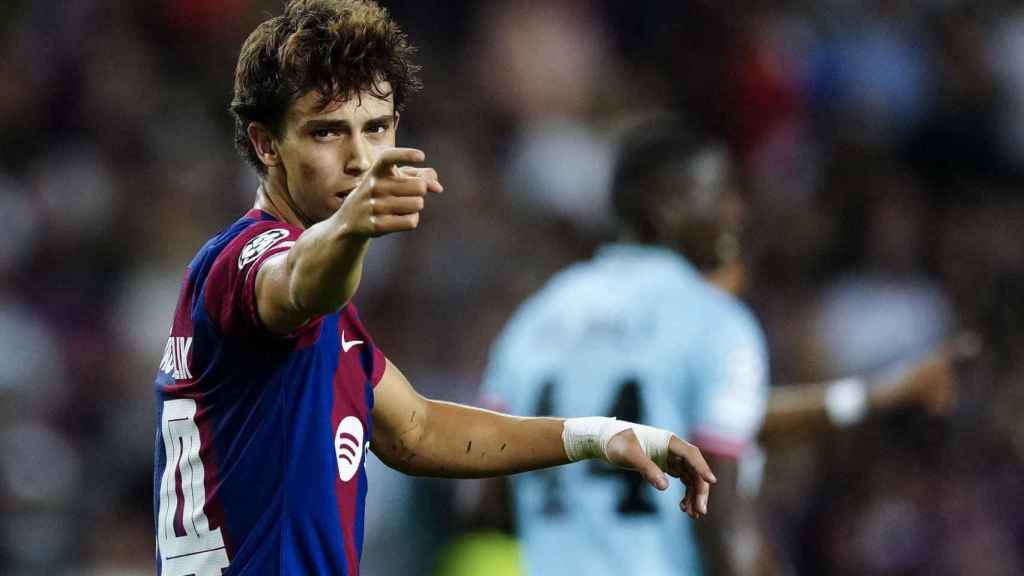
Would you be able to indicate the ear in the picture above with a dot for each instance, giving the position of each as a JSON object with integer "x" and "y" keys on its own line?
{"x": 264, "y": 143}
{"x": 398, "y": 116}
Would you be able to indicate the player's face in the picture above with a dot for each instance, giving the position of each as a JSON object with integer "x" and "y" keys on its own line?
{"x": 704, "y": 213}
{"x": 325, "y": 153}
{"x": 731, "y": 216}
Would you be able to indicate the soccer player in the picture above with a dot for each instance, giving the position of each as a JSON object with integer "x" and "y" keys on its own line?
{"x": 271, "y": 389}
{"x": 637, "y": 333}
{"x": 642, "y": 333}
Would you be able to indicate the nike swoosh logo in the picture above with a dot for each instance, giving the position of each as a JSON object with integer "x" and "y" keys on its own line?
{"x": 346, "y": 346}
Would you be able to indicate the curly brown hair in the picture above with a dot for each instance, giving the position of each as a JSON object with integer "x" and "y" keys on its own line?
{"x": 339, "y": 48}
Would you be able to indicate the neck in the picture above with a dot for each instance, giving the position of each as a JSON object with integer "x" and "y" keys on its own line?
{"x": 730, "y": 277}
{"x": 272, "y": 197}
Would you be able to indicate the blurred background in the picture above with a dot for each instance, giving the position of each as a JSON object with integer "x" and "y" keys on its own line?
{"x": 881, "y": 144}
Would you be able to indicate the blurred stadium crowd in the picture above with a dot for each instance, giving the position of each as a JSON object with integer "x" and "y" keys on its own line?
{"x": 882, "y": 148}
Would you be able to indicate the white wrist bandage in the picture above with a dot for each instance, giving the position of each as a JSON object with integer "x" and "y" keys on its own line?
{"x": 846, "y": 401}
{"x": 585, "y": 438}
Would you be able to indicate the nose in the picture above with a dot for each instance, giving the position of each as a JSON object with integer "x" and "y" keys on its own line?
{"x": 358, "y": 161}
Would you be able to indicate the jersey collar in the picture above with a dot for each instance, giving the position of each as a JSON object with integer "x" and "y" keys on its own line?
{"x": 257, "y": 214}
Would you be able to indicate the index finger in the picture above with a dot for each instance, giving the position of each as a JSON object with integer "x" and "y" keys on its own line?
{"x": 394, "y": 156}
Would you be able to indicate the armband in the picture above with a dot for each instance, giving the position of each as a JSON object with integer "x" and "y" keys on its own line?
{"x": 586, "y": 438}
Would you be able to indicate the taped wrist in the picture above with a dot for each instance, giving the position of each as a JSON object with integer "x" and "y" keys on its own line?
{"x": 846, "y": 401}
{"x": 586, "y": 438}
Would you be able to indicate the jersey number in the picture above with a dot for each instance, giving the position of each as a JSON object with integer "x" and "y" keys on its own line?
{"x": 186, "y": 544}
{"x": 634, "y": 500}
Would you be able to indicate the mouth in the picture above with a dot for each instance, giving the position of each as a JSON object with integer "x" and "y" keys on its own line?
{"x": 344, "y": 193}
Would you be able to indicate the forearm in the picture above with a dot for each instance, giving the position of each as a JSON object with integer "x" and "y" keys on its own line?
{"x": 454, "y": 440}
{"x": 431, "y": 438}
{"x": 795, "y": 407}
{"x": 325, "y": 267}
{"x": 806, "y": 407}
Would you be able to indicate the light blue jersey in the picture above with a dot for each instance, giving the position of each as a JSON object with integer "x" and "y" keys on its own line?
{"x": 635, "y": 333}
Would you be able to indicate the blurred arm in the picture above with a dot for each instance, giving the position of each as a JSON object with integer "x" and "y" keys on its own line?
{"x": 929, "y": 383}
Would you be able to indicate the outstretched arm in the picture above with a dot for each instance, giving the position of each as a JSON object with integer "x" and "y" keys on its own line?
{"x": 930, "y": 384}
{"x": 322, "y": 271}
{"x": 432, "y": 438}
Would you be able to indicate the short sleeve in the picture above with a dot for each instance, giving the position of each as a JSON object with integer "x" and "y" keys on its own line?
{"x": 229, "y": 293}
{"x": 730, "y": 386}
{"x": 354, "y": 333}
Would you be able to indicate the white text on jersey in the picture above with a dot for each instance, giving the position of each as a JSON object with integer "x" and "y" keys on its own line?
{"x": 175, "y": 360}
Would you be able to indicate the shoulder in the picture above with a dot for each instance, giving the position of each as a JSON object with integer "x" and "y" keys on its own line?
{"x": 222, "y": 273}
{"x": 560, "y": 291}
{"x": 730, "y": 355}
{"x": 730, "y": 323}
{"x": 668, "y": 282}
{"x": 732, "y": 312}
{"x": 243, "y": 243}
{"x": 246, "y": 239}
{"x": 707, "y": 320}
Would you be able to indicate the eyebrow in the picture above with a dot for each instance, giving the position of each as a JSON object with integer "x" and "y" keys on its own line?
{"x": 335, "y": 124}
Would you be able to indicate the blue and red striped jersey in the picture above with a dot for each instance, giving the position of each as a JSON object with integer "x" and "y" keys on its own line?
{"x": 261, "y": 438}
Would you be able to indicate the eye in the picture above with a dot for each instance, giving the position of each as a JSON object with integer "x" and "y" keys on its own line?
{"x": 325, "y": 133}
{"x": 380, "y": 128}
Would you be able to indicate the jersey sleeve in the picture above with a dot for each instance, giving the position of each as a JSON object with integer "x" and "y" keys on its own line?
{"x": 731, "y": 386}
{"x": 229, "y": 294}
{"x": 374, "y": 360}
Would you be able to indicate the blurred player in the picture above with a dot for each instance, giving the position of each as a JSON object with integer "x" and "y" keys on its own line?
{"x": 637, "y": 333}
{"x": 640, "y": 333}
{"x": 271, "y": 389}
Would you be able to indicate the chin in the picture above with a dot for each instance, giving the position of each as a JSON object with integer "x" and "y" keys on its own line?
{"x": 326, "y": 214}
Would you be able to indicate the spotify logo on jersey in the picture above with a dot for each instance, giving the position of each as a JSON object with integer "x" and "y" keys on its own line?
{"x": 348, "y": 447}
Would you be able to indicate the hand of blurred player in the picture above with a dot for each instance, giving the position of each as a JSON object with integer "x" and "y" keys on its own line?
{"x": 684, "y": 462}
{"x": 932, "y": 383}
{"x": 390, "y": 197}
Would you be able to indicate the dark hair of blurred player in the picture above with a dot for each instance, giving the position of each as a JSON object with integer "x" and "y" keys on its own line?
{"x": 675, "y": 188}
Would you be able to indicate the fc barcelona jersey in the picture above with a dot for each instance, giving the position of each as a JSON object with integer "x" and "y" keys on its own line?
{"x": 261, "y": 438}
